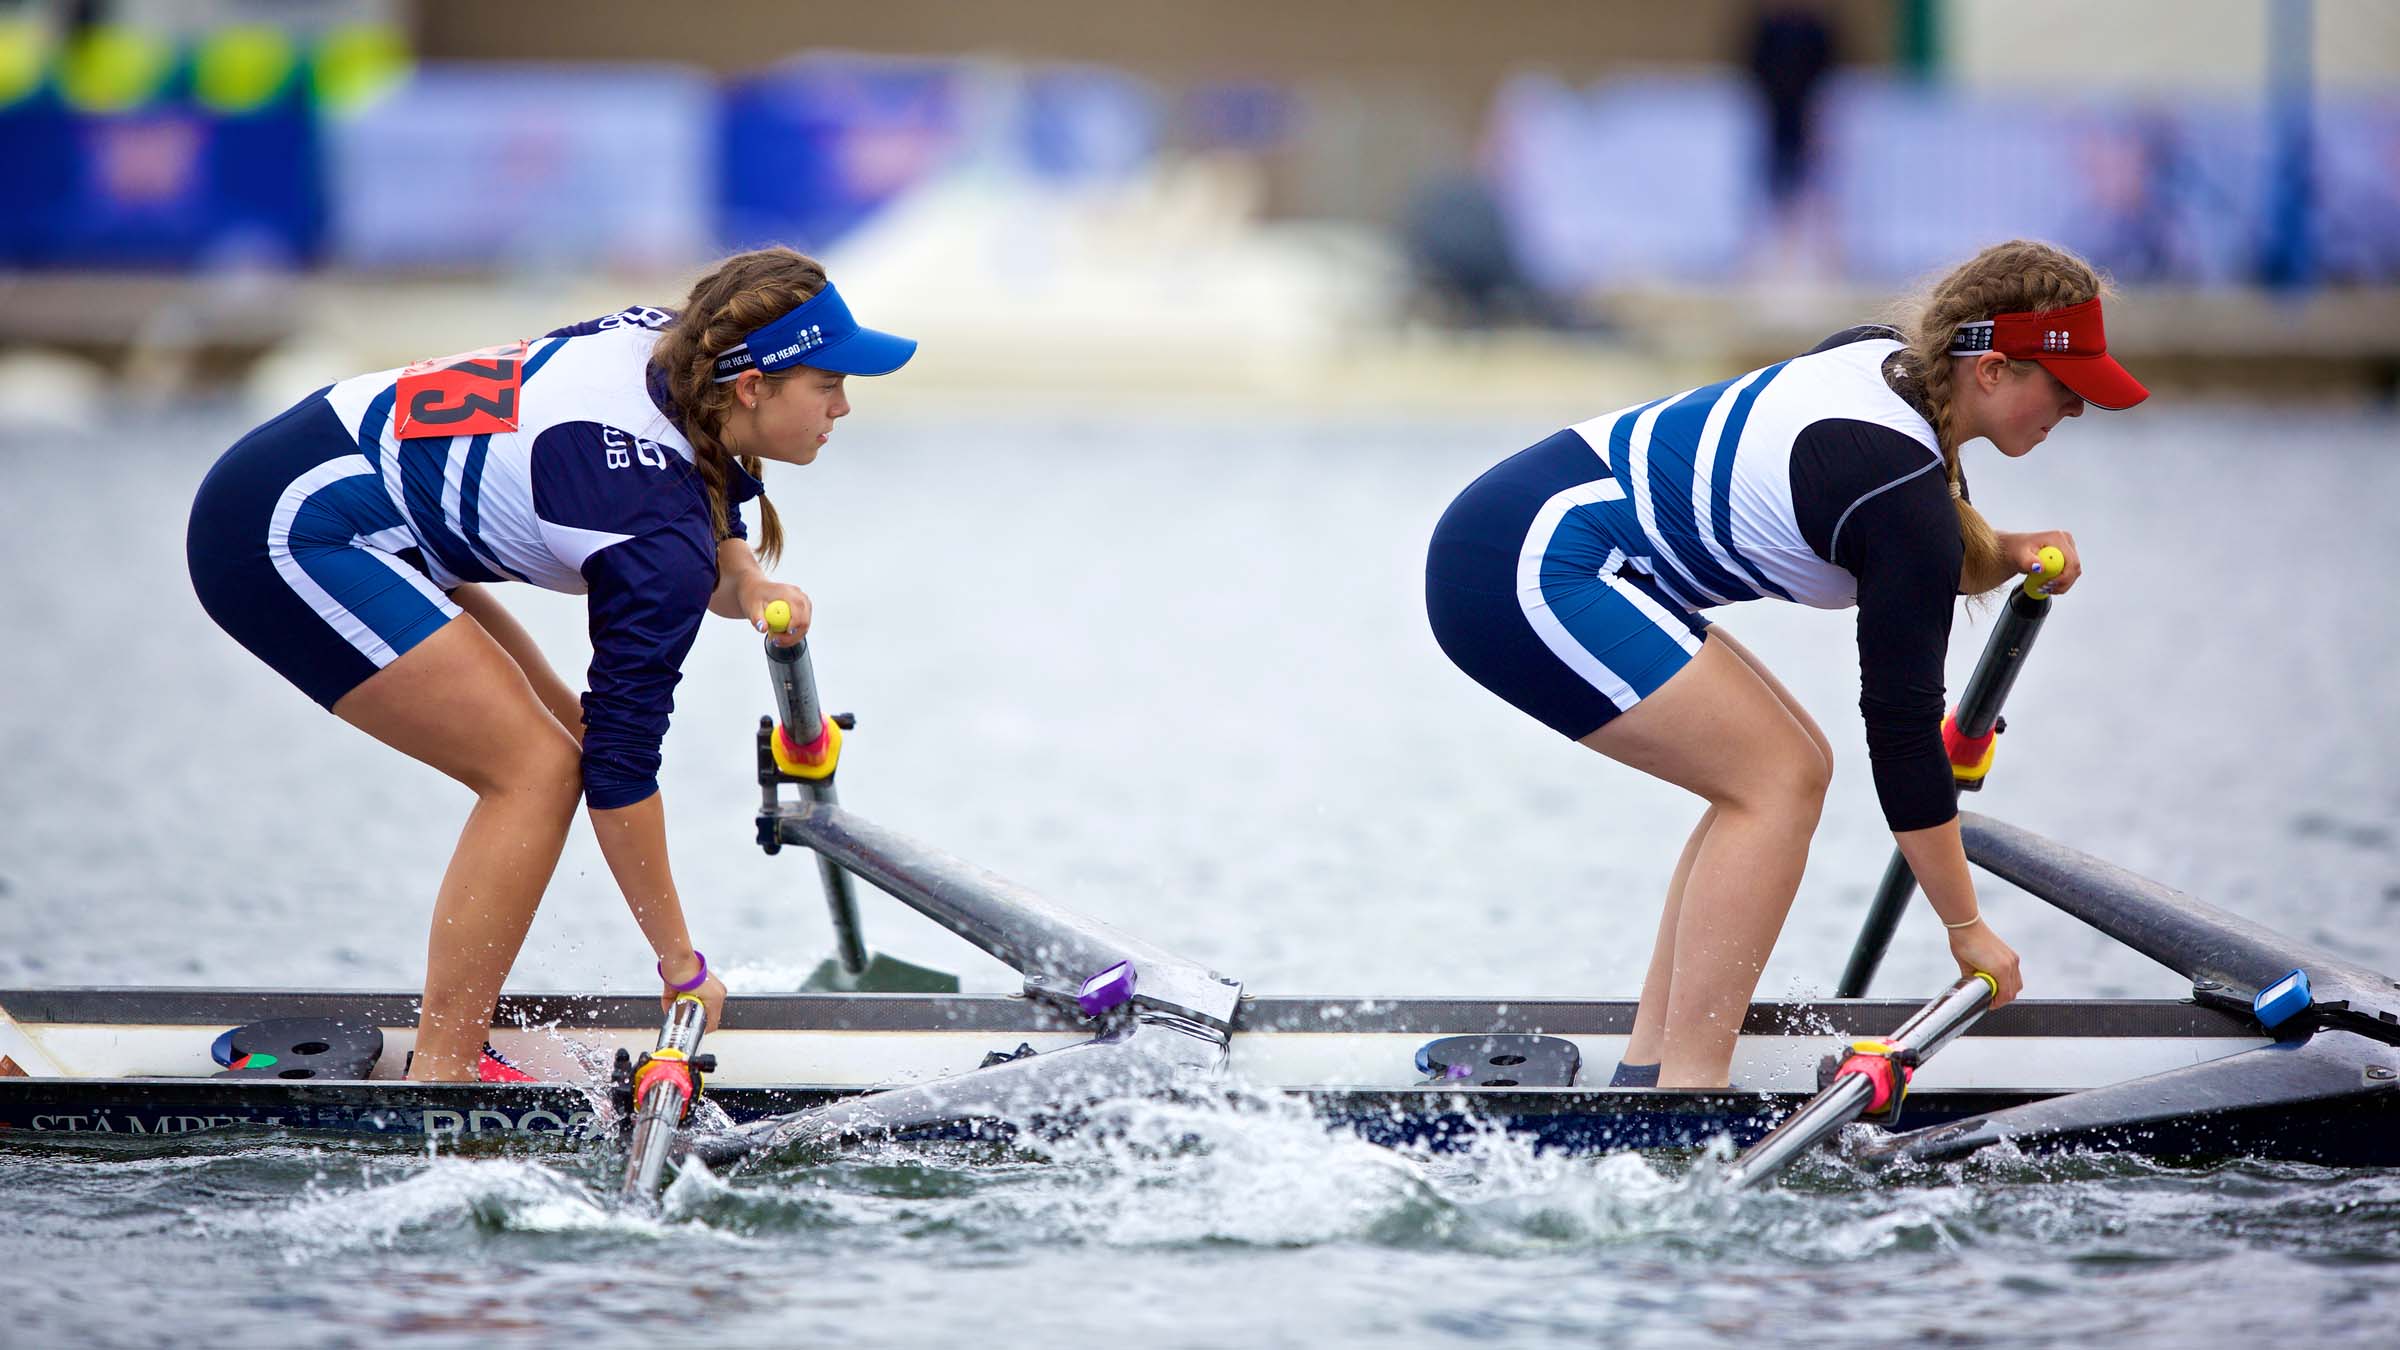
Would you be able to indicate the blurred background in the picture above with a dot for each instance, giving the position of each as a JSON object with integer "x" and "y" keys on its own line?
{"x": 1221, "y": 302}
{"x": 1314, "y": 202}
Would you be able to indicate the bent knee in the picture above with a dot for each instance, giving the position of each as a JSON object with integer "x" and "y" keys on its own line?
{"x": 549, "y": 764}
{"x": 1789, "y": 779}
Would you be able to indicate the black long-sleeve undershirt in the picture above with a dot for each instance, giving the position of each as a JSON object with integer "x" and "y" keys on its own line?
{"x": 1875, "y": 502}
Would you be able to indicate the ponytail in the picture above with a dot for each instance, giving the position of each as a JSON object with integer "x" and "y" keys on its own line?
{"x": 2010, "y": 278}
{"x": 740, "y": 295}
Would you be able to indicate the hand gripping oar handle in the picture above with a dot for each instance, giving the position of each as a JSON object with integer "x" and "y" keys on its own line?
{"x": 665, "y": 1084}
{"x": 1871, "y": 1078}
{"x": 2049, "y": 563}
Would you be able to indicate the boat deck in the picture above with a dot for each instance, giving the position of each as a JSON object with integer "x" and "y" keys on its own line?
{"x": 856, "y": 1041}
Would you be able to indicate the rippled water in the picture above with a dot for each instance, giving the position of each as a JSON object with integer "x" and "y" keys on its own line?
{"x": 1171, "y": 670}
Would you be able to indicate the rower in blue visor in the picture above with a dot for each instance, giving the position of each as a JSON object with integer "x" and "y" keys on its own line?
{"x": 352, "y": 543}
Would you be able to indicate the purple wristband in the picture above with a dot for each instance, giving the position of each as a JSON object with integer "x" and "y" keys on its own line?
{"x": 689, "y": 985}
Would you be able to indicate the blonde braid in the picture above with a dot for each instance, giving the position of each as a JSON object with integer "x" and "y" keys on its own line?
{"x": 2016, "y": 277}
{"x": 737, "y": 297}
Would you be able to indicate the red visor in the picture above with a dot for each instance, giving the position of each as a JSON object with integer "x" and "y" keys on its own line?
{"x": 2068, "y": 342}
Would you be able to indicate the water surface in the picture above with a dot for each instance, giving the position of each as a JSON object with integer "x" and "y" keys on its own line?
{"x": 1172, "y": 670}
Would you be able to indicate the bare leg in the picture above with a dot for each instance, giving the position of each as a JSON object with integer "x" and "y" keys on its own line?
{"x": 1717, "y": 633}
{"x": 1650, "y": 1020}
{"x": 457, "y": 701}
{"x": 1717, "y": 729}
{"x": 1649, "y": 1023}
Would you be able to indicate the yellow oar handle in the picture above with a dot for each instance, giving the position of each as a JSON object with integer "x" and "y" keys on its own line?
{"x": 779, "y": 617}
{"x": 2052, "y": 564}
{"x": 1989, "y": 982}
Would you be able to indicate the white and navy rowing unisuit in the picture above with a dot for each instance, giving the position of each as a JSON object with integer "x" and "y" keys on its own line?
{"x": 1567, "y": 579}
{"x": 326, "y": 543}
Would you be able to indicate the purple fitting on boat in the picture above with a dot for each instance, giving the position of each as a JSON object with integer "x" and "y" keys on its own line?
{"x": 1106, "y": 990}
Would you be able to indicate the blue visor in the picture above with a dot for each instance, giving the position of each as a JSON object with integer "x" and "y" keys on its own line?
{"x": 822, "y": 334}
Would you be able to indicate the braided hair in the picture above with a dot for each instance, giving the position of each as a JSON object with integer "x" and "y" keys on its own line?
{"x": 2018, "y": 276}
{"x": 740, "y": 295}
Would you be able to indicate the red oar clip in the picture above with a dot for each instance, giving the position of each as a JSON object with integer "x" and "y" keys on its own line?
{"x": 1887, "y": 1070}
{"x": 1970, "y": 756}
{"x": 669, "y": 1065}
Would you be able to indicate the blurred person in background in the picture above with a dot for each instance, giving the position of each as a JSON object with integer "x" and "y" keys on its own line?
{"x": 1791, "y": 52}
{"x": 1568, "y": 581}
{"x": 1465, "y": 265}
{"x": 349, "y": 543}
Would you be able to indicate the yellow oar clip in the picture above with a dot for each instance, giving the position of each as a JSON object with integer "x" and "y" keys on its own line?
{"x": 814, "y": 763}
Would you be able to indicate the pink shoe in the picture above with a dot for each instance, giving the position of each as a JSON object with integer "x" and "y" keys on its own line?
{"x": 493, "y": 1069}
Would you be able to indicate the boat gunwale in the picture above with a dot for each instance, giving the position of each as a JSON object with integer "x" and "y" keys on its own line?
{"x": 168, "y": 1005}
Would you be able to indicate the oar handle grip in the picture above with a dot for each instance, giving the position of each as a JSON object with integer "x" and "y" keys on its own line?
{"x": 2050, "y": 565}
{"x": 778, "y": 616}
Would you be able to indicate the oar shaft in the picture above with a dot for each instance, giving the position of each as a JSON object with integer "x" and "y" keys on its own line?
{"x": 850, "y": 941}
{"x": 1804, "y": 1129}
{"x": 1852, "y": 1093}
{"x": 1892, "y": 894}
{"x": 653, "y": 1139}
{"x": 2003, "y": 658}
{"x": 794, "y": 678}
{"x": 661, "y": 1106}
{"x": 795, "y": 681}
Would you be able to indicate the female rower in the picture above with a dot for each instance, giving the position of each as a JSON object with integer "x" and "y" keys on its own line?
{"x": 1567, "y": 580}
{"x": 349, "y": 543}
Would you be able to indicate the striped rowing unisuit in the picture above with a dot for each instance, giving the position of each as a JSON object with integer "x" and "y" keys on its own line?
{"x": 1708, "y": 503}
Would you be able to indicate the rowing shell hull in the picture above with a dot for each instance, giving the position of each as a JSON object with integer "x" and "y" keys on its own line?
{"x": 2360, "y": 1133}
{"x": 132, "y": 1064}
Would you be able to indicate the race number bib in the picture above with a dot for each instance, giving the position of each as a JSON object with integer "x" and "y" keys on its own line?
{"x": 470, "y": 394}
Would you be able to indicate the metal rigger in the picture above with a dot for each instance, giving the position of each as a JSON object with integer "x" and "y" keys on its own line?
{"x": 1155, "y": 1017}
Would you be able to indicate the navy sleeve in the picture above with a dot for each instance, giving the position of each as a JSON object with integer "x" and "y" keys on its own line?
{"x": 631, "y": 517}
{"x": 1876, "y": 503}
{"x": 648, "y": 596}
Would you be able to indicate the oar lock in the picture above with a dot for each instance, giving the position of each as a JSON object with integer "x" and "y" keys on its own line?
{"x": 1103, "y": 991}
{"x": 630, "y": 1078}
{"x": 816, "y": 761}
{"x": 2274, "y": 1004}
{"x": 1886, "y": 1067}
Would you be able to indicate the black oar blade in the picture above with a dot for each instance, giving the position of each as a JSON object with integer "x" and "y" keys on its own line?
{"x": 883, "y": 975}
{"x": 2328, "y": 1094}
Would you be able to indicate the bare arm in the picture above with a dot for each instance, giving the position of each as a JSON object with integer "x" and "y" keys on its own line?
{"x": 634, "y": 840}
{"x": 1939, "y": 858}
{"x": 737, "y": 568}
{"x": 744, "y": 590}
